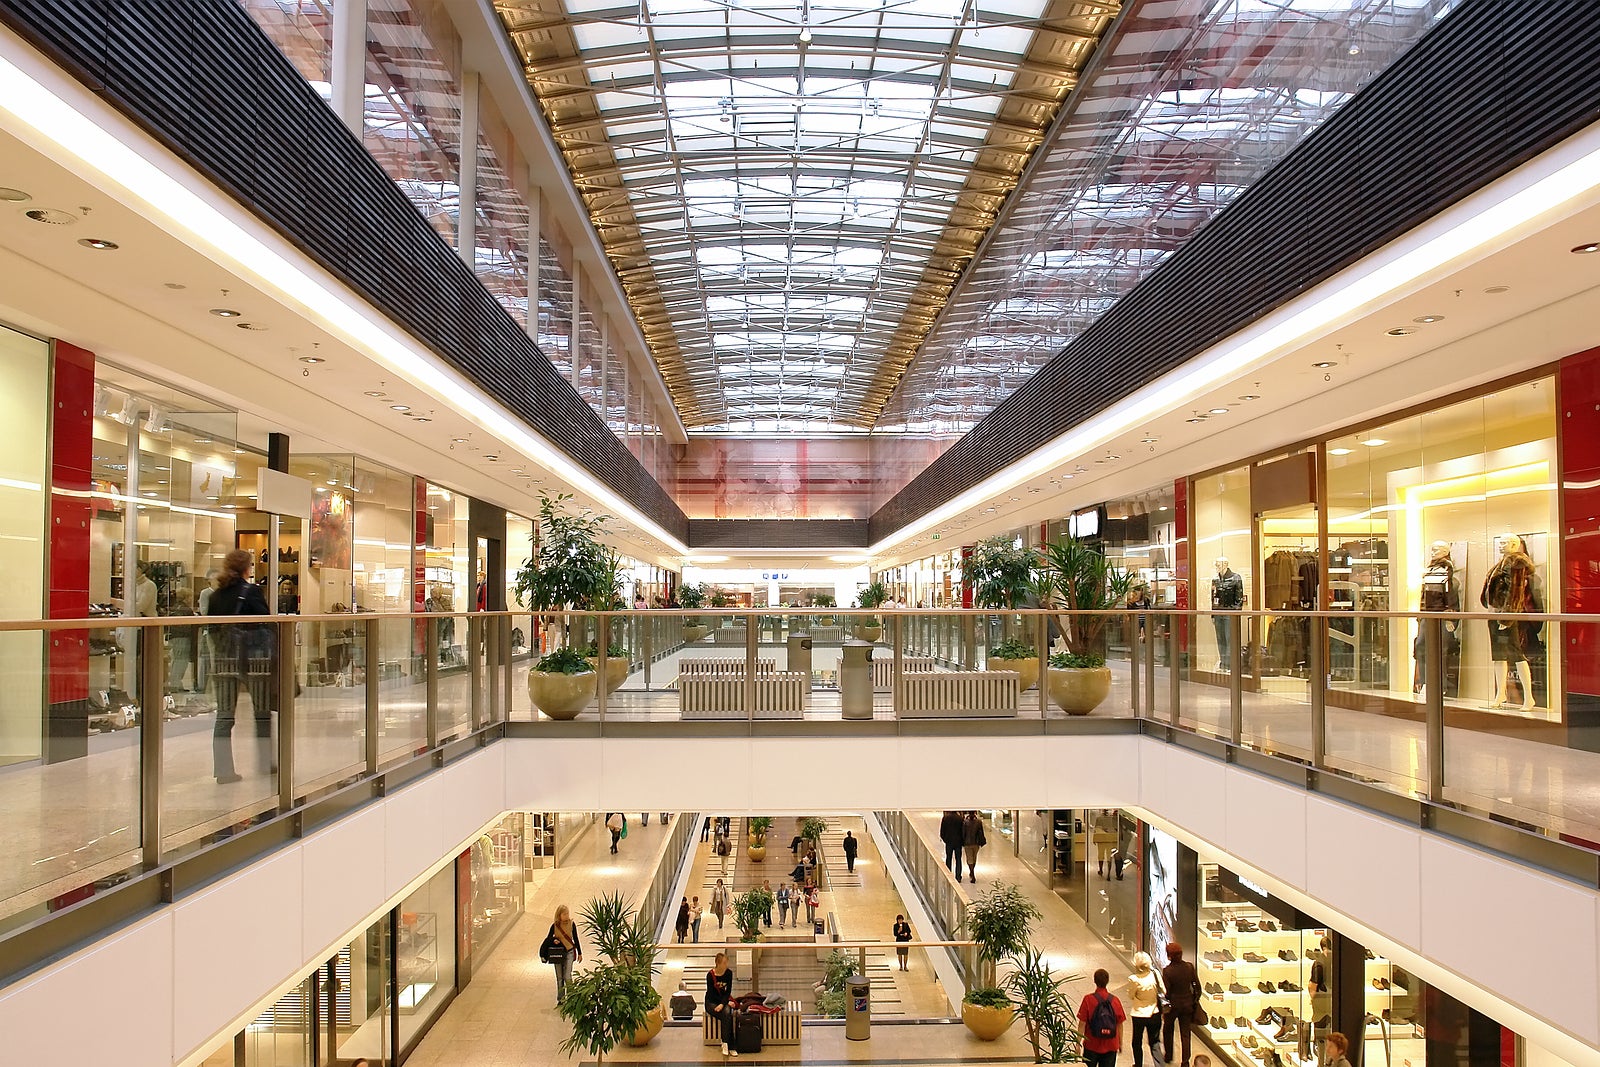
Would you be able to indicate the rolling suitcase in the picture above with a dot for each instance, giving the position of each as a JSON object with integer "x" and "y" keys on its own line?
{"x": 747, "y": 1032}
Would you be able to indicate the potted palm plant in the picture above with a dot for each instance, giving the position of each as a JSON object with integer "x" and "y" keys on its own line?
{"x": 570, "y": 570}
{"x": 1002, "y": 575}
{"x": 749, "y": 908}
{"x": 1082, "y": 580}
{"x": 871, "y": 598}
{"x": 756, "y": 846}
{"x": 615, "y": 665}
{"x": 615, "y": 999}
{"x": 999, "y": 921}
{"x": 824, "y": 600}
{"x": 1040, "y": 1000}
{"x": 692, "y": 598}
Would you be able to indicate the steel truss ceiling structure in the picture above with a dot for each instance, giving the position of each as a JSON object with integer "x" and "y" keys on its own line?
{"x": 790, "y": 189}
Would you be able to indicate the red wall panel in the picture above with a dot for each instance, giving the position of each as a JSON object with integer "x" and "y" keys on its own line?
{"x": 71, "y": 464}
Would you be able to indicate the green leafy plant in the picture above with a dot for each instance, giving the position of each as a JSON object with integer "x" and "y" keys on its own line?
{"x": 749, "y": 908}
{"x": 757, "y": 827}
{"x": 824, "y": 600}
{"x": 609, "y": 1002}
{"x": 873, "y": 596}
{"x": 1081, "y": 580}
{"x": 1012, "y": 648}
{"x": 836, "y": 972}
{"x": 1045, "y": 1009}
{"x": 563, "y": 660}
{"x": 831, "y": 1003}
{"x": 1000, "y": 921}
{"x": 692, "y": 597}
{"x": 613, "y": 651}
{"x": 1000, "y": 572}
{"x": 812, "y": 829}
{"x": 1069, "y": 660}
{"x": 718, "y": 598}
{"x": 988, "y": 997}
{"x": 570, "y": 570}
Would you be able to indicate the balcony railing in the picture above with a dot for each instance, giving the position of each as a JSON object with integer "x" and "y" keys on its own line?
{"x": 119, "y": 762}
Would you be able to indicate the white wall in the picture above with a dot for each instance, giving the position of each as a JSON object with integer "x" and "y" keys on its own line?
{"x": 1518, "y": 944}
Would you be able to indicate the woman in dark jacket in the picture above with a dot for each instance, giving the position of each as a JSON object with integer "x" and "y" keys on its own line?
{"x": 240, "y": 651}
{"x": 682, "y": 925}
{"x": 719, "y": 992}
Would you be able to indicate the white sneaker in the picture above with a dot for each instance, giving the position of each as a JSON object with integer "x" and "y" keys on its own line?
{"x": 724, "y": 1050}
{"x": 734, "y": 1053}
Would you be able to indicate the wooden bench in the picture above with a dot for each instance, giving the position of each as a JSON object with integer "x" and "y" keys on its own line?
{"x": 778, "y": 1028}
{"x": 883, "y": 670}
{"x": 729, "y": 635}
{"x": 959, "y": 694}
{"x": 720, "y": 667}
{"x": 779, "y": 695}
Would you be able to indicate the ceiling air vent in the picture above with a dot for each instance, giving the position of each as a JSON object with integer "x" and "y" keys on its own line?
{"x": 51, "y": 217}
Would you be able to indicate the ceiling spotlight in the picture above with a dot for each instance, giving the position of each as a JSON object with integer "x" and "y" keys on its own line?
{"x": 492, "y": 458}
{"x": 1401, "y": 331}
{"x": 1496, "y": 290}
{"x": 1340, "y": 451}
{"x": 1196, "y": 418}
{"x": 805, "y": 35}
{"x": 1428, "y": 318}
{"x": 1324, "y": 364}
{"x": 1219, "y": 411}
{"x": 249, "y": 326}
{"x": 458, "y": 440}
{"x": 14, "y": 196}
{"x": 174, "y": 285}
{"x": 1584, "y": 250}
{"x": 313, "y": 360}
{"x": 1247, "y": 397}
{"x": 420, "y": 418}
{"x": 399, "y": 407}
{"x": 98, "y": 243}
{"x": 1355, "y": 50}
{"x": 1374, "y": 442}
{"x": 226, "y": 313}
{"x": 374, "y": 392}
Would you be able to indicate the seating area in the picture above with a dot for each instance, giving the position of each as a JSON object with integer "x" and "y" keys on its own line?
{"x": 960, "y": 694}
{"x": 883, "y": 670}
{"x": 777, "y": 1028}
{"x": 778, "y": 695}
{"x": 721, "y": 667}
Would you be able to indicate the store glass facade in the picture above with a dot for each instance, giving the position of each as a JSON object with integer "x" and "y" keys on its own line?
{"x": 24, "y": 413}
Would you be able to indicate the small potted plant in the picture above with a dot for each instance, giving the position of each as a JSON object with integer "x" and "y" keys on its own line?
{"x": 1014, "y": 655}
{"x": 562, "y": 683}
{"x": 1040, "y": 1000}
{"x": 871, "y": 598}
{"x": 749, "y": 909}
{"x": 614, "y": 1000}
{"x": 812, "y": 829}
{"x": 1001, "y": 574}
{"x": 570, "y": 570}
{"x": 1082, "y": 580}
{"x": 692, "y": 598}
{"x": 756, "y": 845}
{"x": 987, "y": 1012}
{"x": 999, "y": 921}
{"x": 824, "y": 600}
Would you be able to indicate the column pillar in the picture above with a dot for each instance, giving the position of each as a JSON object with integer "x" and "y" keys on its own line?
{"x": 467, "y": 171}
{"x": 349, "y": 62}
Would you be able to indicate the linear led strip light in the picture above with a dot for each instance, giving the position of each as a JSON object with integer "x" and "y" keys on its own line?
{"x": 47, "y": 109}
{"x": 1537, "y": 194}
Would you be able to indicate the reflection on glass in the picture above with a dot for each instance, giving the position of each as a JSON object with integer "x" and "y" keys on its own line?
{"x": 424, "y": 954}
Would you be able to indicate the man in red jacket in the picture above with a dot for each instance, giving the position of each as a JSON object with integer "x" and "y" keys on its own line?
{"x": 1100, "y": 1018}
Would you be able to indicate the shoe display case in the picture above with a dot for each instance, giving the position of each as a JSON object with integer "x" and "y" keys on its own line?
{"x": 1255, "y": 970}
{"x": 1392, "y": 1027}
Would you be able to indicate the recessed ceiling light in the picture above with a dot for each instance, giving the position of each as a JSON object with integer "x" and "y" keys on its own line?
{"x": 1401, "y": 331}
{"x": 492, "y": 458}
{"x": 458, "y": 440}
{"x": 1247, "y": 397}
{"x": 1584, "y": 250}
{"x": 99, "y": 243}
{"x": 1197, "y": 418}
{"x": 1374, "y": 442}
{"x": 174, "y": 285}
{"x": 226, "y": 313}
{"x": 1219, "y": 411}
{"x": 1163, "y": 507}
{"x": 420, "y": 418}
{"x": 374, "y": 392}
{"x": 313, "y": 360}
{"x": 1496, "y": 290}
{"x": 1340, "y": 451}
{"x": 14, "y": 196}
{"x": 163, "y": 468}
{"x": 202, "y": 440}
{"x": 249, "y": 326}
{"x": 1428, "y": 318}
{"x": 51, "y": 217}
{"x": 151, "y": 492}
{"x": 238, "y": 451}
{"x": 399, "y": 407}
{"x": 1324, "y": 364}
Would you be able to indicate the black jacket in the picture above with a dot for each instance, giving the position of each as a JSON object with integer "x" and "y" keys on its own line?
{"x": 850, "y": 846}
{"x": 951, "y": 829}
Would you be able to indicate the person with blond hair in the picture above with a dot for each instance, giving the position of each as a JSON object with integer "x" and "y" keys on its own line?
{"x": 561, "y": 948}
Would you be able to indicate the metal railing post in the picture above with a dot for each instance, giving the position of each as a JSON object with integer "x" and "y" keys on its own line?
{"x": 510, "y": 679}
{"x": 1319, "y": 691}
{"x": 1147, "y": 639}
{"x": 476, "y": 651}
{"x": 286, "y": 714}
{"x": 371, "y": 644}
{"x": 1041, "y": 639}
{"x": 431, "y": 679}
{"x": 1235, "y": 679}
{"x": 1433, "y": 680}
{"x": 750, "y": 638}
{"x": 1174, "y": 673}
{"x": 897, "y": 634}
{"x": 1133, "y": 665}
{"x": 152, "y": 728}
{"x": 602, "y": 645}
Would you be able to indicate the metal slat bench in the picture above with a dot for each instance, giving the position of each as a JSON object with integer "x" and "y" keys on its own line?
{"x": 883, "y": 670}
{"x": 959, "y": 694}
{"x": 720, "y": 667}
{"x": 778, "y": 1028}
{"x": 779, "y": 695}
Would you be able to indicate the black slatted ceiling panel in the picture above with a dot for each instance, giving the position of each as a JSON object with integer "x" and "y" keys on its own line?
{"x": 201, "y": 77}
{"x": 778, "y": 533}
{"x": 1488, "y": 88}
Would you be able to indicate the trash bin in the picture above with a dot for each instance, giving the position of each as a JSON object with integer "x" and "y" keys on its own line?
{"x": 800, "y": 658}
{"x": 857, "y": 1008}
{"x": 855, "y": 680}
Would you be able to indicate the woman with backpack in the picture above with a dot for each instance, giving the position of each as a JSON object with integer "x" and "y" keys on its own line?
{"x": 1100, "y": 1019}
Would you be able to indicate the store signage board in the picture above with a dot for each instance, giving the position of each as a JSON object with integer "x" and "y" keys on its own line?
{"x": 278, "y": 493}
{"x": 1246, "y": 890}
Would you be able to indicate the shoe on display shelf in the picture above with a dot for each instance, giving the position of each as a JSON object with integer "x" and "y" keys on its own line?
{"x": 1245, "y": 926}
{"x": 1269, "y": 926}
{"x": 1268, "y": 1014}
{"x": 1266, "y": 987}
{"x": 1287, "y": 955}
{"x": 1213, "y": 957}
{"x": 1254, "y": 957}
{"x": 1214, "y": 989}
{"x": 1241, "y": 1022}
{"x": 1237, "y": 989}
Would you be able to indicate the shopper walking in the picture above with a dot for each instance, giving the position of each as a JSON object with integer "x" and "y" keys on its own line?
{"x": 951, "y": 832}
{"x": 1100, "y": 1018}
{"x": 902, "y": 934}
{"x": 813, "y": 901}
{"x": 783, "y": 906}
{"x": 767, "y": 885}
{"x": 682, "y": 923}
{"x": 1183, "y": 997}
{"x": 719, "y": 995}
{"x": 615, "y": 822}
{"x": 561, "y": 948}
{"x": 696, "y": 912}
{"x": 644, "y": 817}
{"x": 241, "y": 653}
{"x": 719, "y": 901}
{"x": 705, "y": 830}
{"x": 972, "y": 839}
{"x": 1144, "y": 989}
{"x": 850, "y": 845}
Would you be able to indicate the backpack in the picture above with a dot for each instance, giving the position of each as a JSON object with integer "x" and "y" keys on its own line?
{"x": 1103, "y": 1020}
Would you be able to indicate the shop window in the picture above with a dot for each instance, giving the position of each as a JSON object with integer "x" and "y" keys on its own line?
{"x": 448, "y": 588}
{"x": 1223, "y": 568}
{"x": 424, "y": 954}
{"x": 497, "y": 884}
{"x": 24, "y": 437}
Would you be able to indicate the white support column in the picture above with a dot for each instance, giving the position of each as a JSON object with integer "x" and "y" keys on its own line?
{"x": 535, "y": 204}
{"x": 349, "y": 74}
{"x": 467, "y": 179}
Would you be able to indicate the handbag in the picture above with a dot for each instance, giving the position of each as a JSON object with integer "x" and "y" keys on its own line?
{"x": 551, "y": 950}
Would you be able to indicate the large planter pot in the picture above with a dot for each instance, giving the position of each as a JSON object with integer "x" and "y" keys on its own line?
{"x": 561, "y": 696}
{"x": 1079, "y": 690}
{"x": 616, "y": 671}
{"x": 986, "y": 1024}
{"x": 756, "y": 852}
{"x": 869, "y": 633}
{"x": 1027, "y": 668}
{"x": 654, "y": 1020}
{"x": 693, "y": 632}
{"x": 825, "y": 620}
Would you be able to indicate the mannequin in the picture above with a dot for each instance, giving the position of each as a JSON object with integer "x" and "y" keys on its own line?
{"x": 1227, "y": 594}
{"x": 1440, "y": 592}
{"x": 1509, "y": 589}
